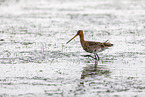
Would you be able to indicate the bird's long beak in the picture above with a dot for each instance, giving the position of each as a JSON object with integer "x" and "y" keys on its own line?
{"x": 72, "y": 38}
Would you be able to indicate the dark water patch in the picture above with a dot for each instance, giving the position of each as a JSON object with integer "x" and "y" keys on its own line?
{"x": 22, "y": 95}
{"x": 39, "y": 84}
{"x": 69, "y": 10}
{"x": 4, "y": 95}
{"x": 122, "y": 55}
{"x": 32, "y": 78}
{"x": 138, "y": 42}
{"x": 130, "y": 54}
{"x": 27, "y": 95}
{"x": 54, "y": 93}
{"x": 26, "y": 43}
{"x": 18, "y": 42}
{"x": 38, "y": 9}
{"x": 17, "y": 28}
{"x": 49, "y": 85}
{"x": 142, "y": 87}
{"x": 34, "y": 81}
{"x": 8, "y": 3}
{"x": 33, "y": 56}
{"x": 2, "y": 40}
{"x": 99, "y": 19}
{"x": 2, "y": 2}
{"x": 15, "y": 42}
{"x": 114, "y": 86}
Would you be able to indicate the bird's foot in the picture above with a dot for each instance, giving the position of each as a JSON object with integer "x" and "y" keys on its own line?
{"x": 88, "y": 56}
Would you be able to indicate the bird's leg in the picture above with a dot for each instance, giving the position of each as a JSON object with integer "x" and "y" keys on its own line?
{"x": 88, "y": 56}
{"x": 98, "y": 57}
{"x": 95, "y": 57}
{"x": 96, "y": 60}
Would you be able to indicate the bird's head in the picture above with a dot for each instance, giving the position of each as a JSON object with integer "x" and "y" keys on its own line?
{"x": 80, "y": 32}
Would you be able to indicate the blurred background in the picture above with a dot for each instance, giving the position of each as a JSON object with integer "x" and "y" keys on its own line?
{"x": 36, "y": 61}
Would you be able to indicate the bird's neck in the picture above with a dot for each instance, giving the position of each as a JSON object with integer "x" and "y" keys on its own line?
{"x": 82, "y": 38}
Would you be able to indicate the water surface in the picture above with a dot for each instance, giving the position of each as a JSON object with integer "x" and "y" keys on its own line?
{"x": 36, "y": 61}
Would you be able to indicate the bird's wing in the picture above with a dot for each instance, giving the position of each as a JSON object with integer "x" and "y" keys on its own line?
{"x": 95, "y": 44}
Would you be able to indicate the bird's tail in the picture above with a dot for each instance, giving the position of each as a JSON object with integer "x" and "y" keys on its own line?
{"x": 107, "y": 44}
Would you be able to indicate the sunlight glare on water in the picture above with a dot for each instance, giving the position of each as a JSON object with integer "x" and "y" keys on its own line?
{"x": 36, "y": 61}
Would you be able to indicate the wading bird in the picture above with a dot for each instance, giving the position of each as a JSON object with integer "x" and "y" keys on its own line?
{"x": 91, "y": 46}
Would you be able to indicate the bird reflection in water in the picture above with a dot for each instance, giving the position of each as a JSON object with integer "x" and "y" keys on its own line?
{"x": 92, "y": 73}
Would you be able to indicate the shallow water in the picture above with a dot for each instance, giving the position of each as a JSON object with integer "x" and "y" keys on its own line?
{"x": 36, "y": 61}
